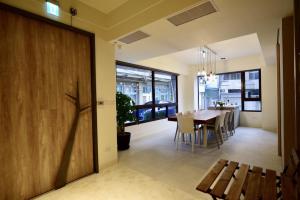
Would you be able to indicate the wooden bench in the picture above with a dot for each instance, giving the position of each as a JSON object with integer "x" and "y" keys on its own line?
{"x": 252, "y": 183}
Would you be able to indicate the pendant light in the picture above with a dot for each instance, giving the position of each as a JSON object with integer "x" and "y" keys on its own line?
{"x": 198, "y": 55}
{"x": 207, "y": 63}
{"x": 203, "y": 57}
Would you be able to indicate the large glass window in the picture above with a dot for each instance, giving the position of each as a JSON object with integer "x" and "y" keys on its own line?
{"x": 154, "y": 92}
{"x": 230, "y": 88}
{"x": 136, "y": 83}
{"x": 165, "y": 88}
{"x": 252, "y": 84}
{"x": 240, "y": 89}
{"x": 211, "y": 93}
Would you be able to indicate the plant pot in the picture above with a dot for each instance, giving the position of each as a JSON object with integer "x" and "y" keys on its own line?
{"x": 123, "y": 140}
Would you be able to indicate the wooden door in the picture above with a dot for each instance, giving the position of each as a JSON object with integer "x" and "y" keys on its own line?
{"x": 288, "y": 86}
{"x": 297, "y": 80}
{"x": 39, "y": 63}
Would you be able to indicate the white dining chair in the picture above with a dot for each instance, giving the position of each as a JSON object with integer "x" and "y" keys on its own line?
{"x": 215, "y": 129}
{"x": 185, "y": 127}
{"x": 225, "y": 128}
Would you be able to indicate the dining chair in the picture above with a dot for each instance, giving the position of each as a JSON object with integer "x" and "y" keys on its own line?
{"x": 176, "y": 132}
{"x": 196, "y": 126}
{"x": 185, "y": 127}
{"x": 215, "y": 129}
{"x": 224, "y": 128}
{"x": 231, "y": 123}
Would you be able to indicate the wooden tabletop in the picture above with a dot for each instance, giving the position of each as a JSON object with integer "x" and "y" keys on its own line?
{"x": 202, "y": 116}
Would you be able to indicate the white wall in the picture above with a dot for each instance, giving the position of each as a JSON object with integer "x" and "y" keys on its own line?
{"x": 105, "y": 77}
{"x": 269, "y": 98}
{"x": 106, "y": 114}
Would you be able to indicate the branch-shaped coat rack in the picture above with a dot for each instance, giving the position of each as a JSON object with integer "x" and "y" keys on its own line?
{"x": 61, "y": 178}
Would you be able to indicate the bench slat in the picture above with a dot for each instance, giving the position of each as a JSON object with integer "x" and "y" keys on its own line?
{"x": 262, "y": 187}
{"x": 246, "y": 184}
{"x": 223, "y": 182}
{"x": 254, "y": 184}
{"x": 236, "y": 187}
{"x": 209, "y": 179}
{"x": 270, "y": 192}
{"x": 288, "y": 188}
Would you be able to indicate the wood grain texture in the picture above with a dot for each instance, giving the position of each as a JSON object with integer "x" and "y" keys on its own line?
{"x": 278, "y": 95}
{"x": 270, "y": 191}
{"x": 235, "y": 190}
{"x": 224, "y": 180}
{"x": 254, "y": 184}
{"x": 39, "y": 63}
{"x": 297, "y": 81}
{"x": 288, "y": 87}
{"x": 209, "y": 179}
{"x": 202, "y": 116}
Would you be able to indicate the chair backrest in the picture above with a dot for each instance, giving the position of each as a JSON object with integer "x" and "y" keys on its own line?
{"x": 222, "y": 117}
{"x": 231, "y": 120}
{"x": 188, "y": 113}
{"x": 185, "y": 123}
{"x": 217, "y": 124}
{"x": 226, "y": 118}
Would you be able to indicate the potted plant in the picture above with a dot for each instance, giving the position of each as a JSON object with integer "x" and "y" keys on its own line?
{"x": 221, "y": 104}
{"x": 125, "y": 107}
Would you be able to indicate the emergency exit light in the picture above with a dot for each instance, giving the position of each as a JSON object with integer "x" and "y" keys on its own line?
{"x": 52, "y": 7}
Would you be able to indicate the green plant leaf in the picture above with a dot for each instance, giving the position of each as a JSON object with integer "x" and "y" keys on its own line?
{"x": 125, "y": 107}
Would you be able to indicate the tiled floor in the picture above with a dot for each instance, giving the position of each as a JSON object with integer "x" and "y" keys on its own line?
{"x": 153, "y": 169}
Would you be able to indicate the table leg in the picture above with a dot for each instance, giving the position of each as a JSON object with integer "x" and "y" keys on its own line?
{"x": 199, "y": 135}
{"x": 176, "y": 132}
{"x": 204, "y": 135}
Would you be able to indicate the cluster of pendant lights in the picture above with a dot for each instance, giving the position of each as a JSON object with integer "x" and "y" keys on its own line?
{"x": 207, "y": 64}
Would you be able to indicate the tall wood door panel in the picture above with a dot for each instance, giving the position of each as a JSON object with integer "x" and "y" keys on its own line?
{"x": 39, "y": 64}
{"x": 288, "y": 87}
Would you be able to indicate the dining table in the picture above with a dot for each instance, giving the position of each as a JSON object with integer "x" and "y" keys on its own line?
{"x": 203, "y": 118}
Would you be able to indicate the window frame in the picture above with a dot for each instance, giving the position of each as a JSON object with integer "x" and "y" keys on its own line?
{"x": 243, "y": 89}
{"x": 153, "y": 105}
{"x": 243, "y": 82}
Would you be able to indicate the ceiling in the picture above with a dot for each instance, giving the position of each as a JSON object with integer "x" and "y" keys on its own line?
{"x": 235, "y": 18}
{"x": 233, "y": 48}
{"x": 237, "y": 47}
{"x": 104, "y": 6}
{"x": 112, "y": 19}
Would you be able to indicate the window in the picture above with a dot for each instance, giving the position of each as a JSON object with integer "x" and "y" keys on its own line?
{"x": 252, "y": 91}
{"x": 252, "y": 84}
{"x": 242, "y": 89}
{"x": 154, "y": 92}
{"x": 211, "y": 93}
{"x": 136, "y": 83}
{"x": 165, "y": 88}
{"x": 230, "y": 89}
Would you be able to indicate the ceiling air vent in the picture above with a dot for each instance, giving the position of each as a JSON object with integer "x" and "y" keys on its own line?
{"x": 138, "y": 35}
{"x": 193, "y": 13}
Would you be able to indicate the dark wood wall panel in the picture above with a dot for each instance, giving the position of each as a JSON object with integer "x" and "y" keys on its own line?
{"x": 39, "y": 63}
{"x": 288, "y": 86}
